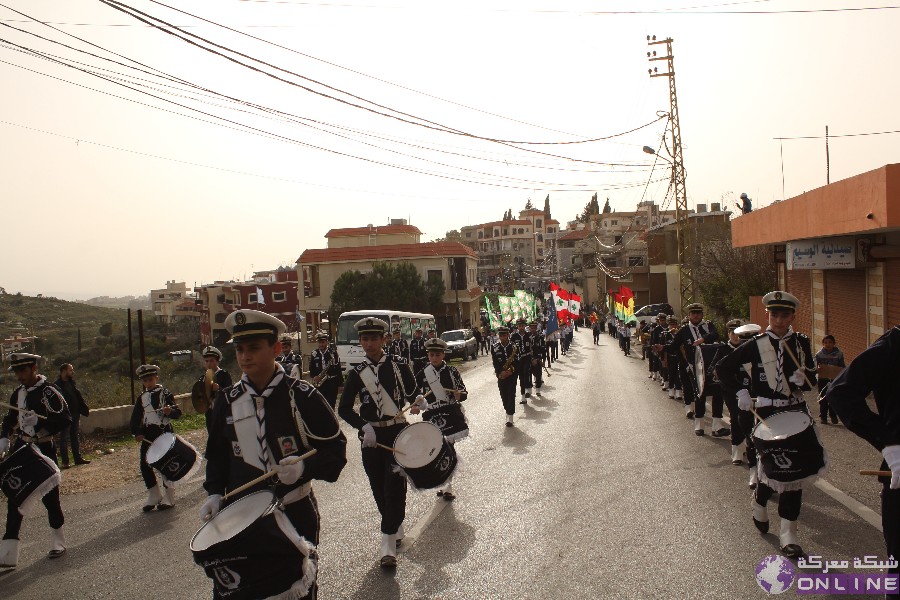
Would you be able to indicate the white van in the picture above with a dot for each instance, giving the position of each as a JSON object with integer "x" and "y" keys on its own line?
{"x": 350, "y": 353}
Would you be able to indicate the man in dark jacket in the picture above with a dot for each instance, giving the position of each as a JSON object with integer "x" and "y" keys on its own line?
{"x": 77, "y": 408}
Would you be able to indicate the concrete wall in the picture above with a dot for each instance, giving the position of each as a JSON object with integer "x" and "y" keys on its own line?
{"x": 118, "y": 417}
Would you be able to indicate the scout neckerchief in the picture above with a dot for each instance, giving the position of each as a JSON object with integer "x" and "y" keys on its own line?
{"x": 433, "y": 377}
{"x": 369, "y": 376}
{"x": 20, "y": 402}
{"x": 772, "y": 358}
{"x": 249, "y": 418}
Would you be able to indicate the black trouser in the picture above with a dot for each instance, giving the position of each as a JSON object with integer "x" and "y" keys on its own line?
{"x": 147, "y": 472}
{"x": 788, "y": 502}
{"x": 596, "y": 336}
{"x": 626, "y": 345}
{"x": 508, "y": 393}
{"x": 673, "y": 376}
{"x": 687, "y": 384}
{"x": 329, "y": 390}
{"x": 747, "y": 421}
{"x": 50, "y": 500}
{"x": 525, "y": 373}
{"x": 537, "y": 372}
{"x": 738, "y": 434}
{"x": 824, "y": 408}
{"x": 69, "y": 437}
{"x": 388, "y": 487}
{"x": 304, "y": 516}
{"x": 890, "y": 521}
{"x": 717, "y": 404}
{"x": 653, "y": 363}
{"x": 554, "y": 350}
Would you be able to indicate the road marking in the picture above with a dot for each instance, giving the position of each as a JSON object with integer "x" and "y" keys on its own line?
{"x": 858, "y": 508}
{"x": 423, "y": 523}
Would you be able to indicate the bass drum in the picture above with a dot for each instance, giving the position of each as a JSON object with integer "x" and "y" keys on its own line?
{"x": 705, "y": 358}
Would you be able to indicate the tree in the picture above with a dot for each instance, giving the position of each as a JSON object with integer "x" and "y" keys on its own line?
{"x": 529, "y": 205}
{"x": 606, "y": 208}
{"x": 591, "y": 208}
{"x": 547, "y": 208}
{"x": 390, "y": 285}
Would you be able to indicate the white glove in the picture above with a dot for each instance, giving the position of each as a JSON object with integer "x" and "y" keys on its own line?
{"x": 28, "y": 419}
{"x": 745, "y": 402}
{"x": 892, "y": 456}
{"x": 211, "y": 507}
{"x": 368, "y": 439}
{"x": 289, "y": 471}
{"x": 4, "y": 445}
{"x": 797, "y": 378}
{"x": 421, "y": 402}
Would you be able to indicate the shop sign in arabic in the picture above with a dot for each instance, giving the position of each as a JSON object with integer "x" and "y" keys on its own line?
{"x": 826, "y": 253}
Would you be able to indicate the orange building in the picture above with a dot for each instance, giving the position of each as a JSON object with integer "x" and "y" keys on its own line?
{"x": 837, "y": 249}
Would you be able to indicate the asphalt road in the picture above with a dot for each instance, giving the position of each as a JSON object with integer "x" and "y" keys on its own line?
{"x": 600, "y": 491}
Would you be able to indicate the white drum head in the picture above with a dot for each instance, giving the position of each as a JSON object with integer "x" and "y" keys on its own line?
{"x": 233, "y": 519}
{"x": 419, "y": 443}
{"x": 159, "y": 447}
{"x": 782, "y": 425}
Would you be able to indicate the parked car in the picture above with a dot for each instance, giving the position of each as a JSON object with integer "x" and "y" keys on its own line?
{"x": 651, "y": 311}
{"x": 461, "y": 343}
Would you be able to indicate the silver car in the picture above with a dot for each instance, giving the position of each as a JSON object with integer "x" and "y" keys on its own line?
{"x": 461, "y": 343}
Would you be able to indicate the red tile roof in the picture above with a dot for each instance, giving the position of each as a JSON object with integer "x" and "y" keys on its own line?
{"x": 392, "y": 252}
{"x": 578, "y": 234}
{"x": 377, "y": 229}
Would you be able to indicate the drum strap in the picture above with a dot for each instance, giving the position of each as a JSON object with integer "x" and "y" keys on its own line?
{"x": 369, "y": 376}
{"x": 433, "y": 377}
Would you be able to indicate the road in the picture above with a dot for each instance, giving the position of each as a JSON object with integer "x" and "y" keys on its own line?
{"x": 600, "y": 491}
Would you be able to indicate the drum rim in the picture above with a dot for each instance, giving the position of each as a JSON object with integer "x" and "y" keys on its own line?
{"x": 399, "y": 457}
{"x": 793, "y": 414}
{"x": 169, "y": 447}
{"x": 272, "y": 502}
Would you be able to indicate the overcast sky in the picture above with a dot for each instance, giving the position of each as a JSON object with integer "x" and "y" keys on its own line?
{"x": 181, "y": 164}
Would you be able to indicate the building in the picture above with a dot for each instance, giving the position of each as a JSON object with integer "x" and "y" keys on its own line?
{"x": 453, "y": 263}
{"x": 172, "y": 302}
{"x": 16, "y": 343}
{"x": 837, "y": 248}
{"x": 511, "y": 250}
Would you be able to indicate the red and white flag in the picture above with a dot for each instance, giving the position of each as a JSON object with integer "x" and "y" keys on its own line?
{"x": 561, "y": 299}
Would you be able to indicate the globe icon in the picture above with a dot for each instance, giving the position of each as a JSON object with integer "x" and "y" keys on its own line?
{"x": 775, "y": 574}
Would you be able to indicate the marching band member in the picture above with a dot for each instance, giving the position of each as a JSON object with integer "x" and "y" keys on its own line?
{"x": 38, "y": 398}
{"x": 418, "y": 356}
{"x": 538, "y": 352}
{"x": 399, "y": 346}
{"x": 151, "y": 417}
{"x": 503, "y": 354}
{"x": 874, "y": 371}
{"x": 669, "y": 349}
{"x": 522, "y": 339}
{"x": 212, "y": 356}
{"x": 443, "y": 409}
{"x": 693, "y": 333}
{"x": 288, "y": 360}
{"x": 741, "y": 420}
{"x": 778, "y": 385}
{"x": 325, "y": 370}
{"x": 384, "y": 383}
{"x": 263, "y": 420}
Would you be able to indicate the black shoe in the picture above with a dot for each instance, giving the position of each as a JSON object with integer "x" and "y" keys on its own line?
{"x": 440, "y": 492}
{"x": 792, "y": 551}
{"x": 834, "y": 421}
{"x": 763, "y": 526}
{"x": 698, "y": 432}
{"x": 824, "y": 421}
{"x": 388, "y": 562}
{"x": 149, "y": 507}
{"x": 82, "y": 461}
{"x": 690, "y": 415}
{"x": 449, "y": 496}
{"x": 508, "y": 424}
{"x": 721, "y": 432}
{"x": 162, "y": 506}
{"x": 64, "y": 466}
{"x": 56, "y": 553}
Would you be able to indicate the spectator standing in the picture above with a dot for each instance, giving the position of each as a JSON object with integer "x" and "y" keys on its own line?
{"x": 831, "y": 355}
{"x": 77, "y": 408}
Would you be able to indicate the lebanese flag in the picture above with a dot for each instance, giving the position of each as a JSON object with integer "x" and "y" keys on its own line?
{"x": 561, "y": 300}
{"x": 574, "y": 305}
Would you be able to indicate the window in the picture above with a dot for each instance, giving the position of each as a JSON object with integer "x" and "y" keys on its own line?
{"x": 161, "y": 296}
{"x": 480, "y": 235}
{"x": 505, "y": 231}
{"x": 434, "y": 275}
{"x": 614, "y": 221}
{"x": 279, "y": 296}
{"x": 468, "y": 234}
{"x": 252, "y": 299}
{"x": 549, "y": 230}
{"x": 220, "y": 299}
{"x": 540, "y": 238}
{"x": 540, "y": 251}
{"x": 538, "y": 223}
{"x": 220, "y": 317}
{"x": 311, "y": 281}
{"x": 635, "y": 261}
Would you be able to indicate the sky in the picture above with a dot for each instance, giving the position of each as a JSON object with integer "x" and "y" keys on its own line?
{"x": 131, "y": 157}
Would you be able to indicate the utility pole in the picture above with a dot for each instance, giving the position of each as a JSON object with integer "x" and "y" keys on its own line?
{"x": 682, "y": 230}
{"x": 827, "y": 159}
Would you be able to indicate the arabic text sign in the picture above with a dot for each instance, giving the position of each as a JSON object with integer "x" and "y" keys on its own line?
{"x": 828, "y": 253}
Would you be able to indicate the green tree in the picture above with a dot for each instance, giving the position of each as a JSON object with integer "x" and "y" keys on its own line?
{"x": 547, "y": 207}
{"x": 529, "y": 205}
{"x": 390, "y": 285}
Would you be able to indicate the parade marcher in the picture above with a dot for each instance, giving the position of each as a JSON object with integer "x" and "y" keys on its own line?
{"x": 692, "y": 334}
{"x": 479, "y": 338}
{"x": 669, "y": 357}
{"x": 399, "y": 346}
{"x": 261, "y": 424}
{"x": 828, "y": 359}
{"x": 569, "y": 335}
{"x": 151, "y": 417}
{"x": 553, "y": 346}
{"x": 441, "y": 390}
{"x": 654, "y": 364}
{"x": 212, "y": 356}
{"x": 741, "y": 420}
{"x": 522, "y": 339}
{"x": 777, "y": 383}
{"x": 77, "y": 408}
{"x": 505, "y": 359}
{"x": 384, "y": 385}
{"x": 43, "y": 414}
{"x": 418, "y": 356}
{"x": 325, "y": 370}
{"x": 288, "y": 359}
{"x": 538, "y": 352}
{"x": 625, "y": 334}
{"x": 596, "y": 329}
{"x": 875, "y": 371}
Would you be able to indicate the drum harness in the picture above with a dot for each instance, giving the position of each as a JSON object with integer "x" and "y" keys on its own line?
{"x": 305, "y": 435}
{"x": 34, "y": 439}
{"x": 767, "y": 354}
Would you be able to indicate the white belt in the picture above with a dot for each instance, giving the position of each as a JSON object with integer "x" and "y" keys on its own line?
{"x": 777, "y": 402}
{"x": 297, "y": 494}
{"x": 398, "y": 419}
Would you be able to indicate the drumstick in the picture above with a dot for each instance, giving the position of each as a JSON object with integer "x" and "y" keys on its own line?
{"x": 389, "y": 448}
{"x": 876, "y": 473}
{"x": 291, "y": 460}
{"x": 23, "y": 410}
{"x": 797, "y": 363}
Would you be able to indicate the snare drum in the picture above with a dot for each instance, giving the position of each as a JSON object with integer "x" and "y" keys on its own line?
{"x": 790, "y": 454}
{"x": 450, "y": 419}
{"x": 173, "y": 457}
{"x": 251, "y": 550}
{"x": 705, "y": 358}
{"x": 26, "y": 476}
{"x": 428, "y": 459}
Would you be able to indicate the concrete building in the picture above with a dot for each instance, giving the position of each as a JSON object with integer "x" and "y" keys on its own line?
{"x": 837, "y": 248}
{"x": 443, "y": 261}
{"x": 171, "y": 302}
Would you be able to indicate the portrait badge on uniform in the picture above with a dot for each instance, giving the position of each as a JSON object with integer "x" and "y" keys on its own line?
{"x": 288, "y": 445}
{"x": 236, "y": 448}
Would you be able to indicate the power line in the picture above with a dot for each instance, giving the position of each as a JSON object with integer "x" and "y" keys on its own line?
{"x": 831, "y": 135}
